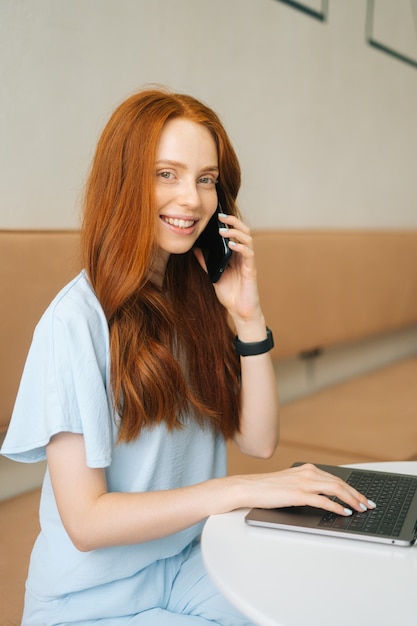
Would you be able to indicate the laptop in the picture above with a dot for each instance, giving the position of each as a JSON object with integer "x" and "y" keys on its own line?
{"x": 394, "y": 521}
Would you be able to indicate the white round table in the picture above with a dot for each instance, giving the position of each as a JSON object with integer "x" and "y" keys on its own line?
{"x": 284, "y": 578}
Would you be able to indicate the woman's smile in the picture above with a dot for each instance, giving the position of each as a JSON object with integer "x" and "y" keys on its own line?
{"x": 180, "y": 225}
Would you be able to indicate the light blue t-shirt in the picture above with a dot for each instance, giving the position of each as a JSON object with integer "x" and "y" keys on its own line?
{"x": 65, "y": 388}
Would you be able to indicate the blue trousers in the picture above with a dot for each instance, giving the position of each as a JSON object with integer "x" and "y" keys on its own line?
{"x": 173, "y": 592}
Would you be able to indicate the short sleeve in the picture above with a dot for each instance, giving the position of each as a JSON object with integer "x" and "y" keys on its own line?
{"x": 65, "y": 382}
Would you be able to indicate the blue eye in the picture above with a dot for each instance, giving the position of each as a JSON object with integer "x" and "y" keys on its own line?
{"x": 207, "y": 180}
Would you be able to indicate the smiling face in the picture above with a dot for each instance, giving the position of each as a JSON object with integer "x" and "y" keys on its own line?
{"x": 186, "y": 171}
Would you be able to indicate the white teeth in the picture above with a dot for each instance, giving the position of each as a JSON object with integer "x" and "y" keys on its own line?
{"x": 179, "y": 223}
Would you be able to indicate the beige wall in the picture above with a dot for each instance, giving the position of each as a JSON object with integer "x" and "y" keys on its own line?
{"x": 325, "y": 126}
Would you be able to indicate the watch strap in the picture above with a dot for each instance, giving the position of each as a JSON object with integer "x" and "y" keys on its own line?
{"x": 255, "y": 347}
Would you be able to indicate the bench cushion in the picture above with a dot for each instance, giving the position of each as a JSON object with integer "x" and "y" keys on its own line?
{"x": 374, "y": 414}
{"x": 326, "y": 288}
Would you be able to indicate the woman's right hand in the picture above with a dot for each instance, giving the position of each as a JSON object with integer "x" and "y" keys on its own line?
{"x": 304, "y": 485}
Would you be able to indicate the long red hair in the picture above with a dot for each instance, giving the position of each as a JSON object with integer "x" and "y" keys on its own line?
{"x": 171, "y": 348}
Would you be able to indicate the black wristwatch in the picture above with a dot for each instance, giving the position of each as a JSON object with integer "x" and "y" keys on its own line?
{"x": 255, "y": 347}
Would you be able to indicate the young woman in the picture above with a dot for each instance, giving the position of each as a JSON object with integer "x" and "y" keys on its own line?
{"x": 134, "y": 380}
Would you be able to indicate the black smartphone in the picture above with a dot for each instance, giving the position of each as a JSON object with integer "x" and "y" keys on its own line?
{"x": 215, "y": 248}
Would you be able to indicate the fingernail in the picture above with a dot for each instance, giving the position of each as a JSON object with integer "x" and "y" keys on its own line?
{"x": 223, "y": 229}
{"x": 222, "y": 214}
{"x": 363, "y": 506}
{"x": 232, "y": 243}
{"x": 348, "y": 511}
{"x": 372, "y": 504}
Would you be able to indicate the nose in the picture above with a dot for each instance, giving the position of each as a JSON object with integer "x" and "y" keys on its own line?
{"x": 188, "y": 194}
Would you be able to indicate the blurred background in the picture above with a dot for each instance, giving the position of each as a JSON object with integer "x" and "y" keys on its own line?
{"x": 319, "y": 98}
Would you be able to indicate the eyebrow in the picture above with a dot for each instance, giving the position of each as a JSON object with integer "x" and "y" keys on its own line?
{"x": 179, "y": 165}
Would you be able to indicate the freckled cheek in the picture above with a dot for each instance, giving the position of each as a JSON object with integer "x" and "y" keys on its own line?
{"x": 162, "y": 200}
{"x": 162, "y": 197}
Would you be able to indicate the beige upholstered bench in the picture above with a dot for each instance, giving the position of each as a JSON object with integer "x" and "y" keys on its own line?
{"x": 323, "y": 290}
{"x": 319, "y": 290}
{"x": 33, "y": 267}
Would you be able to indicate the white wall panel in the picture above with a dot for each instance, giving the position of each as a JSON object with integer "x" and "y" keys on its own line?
{"x": 324, "y": 124}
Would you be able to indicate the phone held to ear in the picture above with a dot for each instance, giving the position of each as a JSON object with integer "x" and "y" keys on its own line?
{"x": 214, "y": 247}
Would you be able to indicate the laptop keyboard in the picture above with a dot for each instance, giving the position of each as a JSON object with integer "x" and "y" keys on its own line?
{"x": 393, "y": 496}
